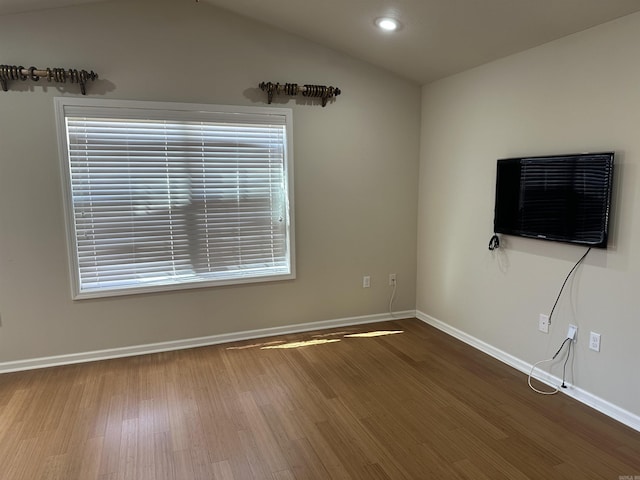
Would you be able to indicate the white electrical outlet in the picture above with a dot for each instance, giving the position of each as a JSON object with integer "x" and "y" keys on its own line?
{"x": 392, "y": 279}
{"x": 594, "y": 341}
{"x": 543, "y": 323}
{"x": 366, "y": 281}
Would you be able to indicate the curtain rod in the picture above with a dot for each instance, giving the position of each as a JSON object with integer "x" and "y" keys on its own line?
{"x": 321, "y": 91}
{"x": 61, "y": 75}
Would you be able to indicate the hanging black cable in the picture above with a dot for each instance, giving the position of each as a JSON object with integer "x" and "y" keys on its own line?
{"x": 565, "y": 282}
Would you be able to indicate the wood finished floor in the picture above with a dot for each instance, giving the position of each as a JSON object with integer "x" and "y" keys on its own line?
{"x": 411, "y": 405}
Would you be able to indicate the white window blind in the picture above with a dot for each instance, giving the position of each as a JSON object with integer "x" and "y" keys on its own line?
{"x": 169, "y": 198}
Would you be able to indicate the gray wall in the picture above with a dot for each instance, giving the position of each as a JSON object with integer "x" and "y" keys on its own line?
{"x": 356, "y": 186}
{"x": 580, "y": 93}
{"x": 356, "y": 165}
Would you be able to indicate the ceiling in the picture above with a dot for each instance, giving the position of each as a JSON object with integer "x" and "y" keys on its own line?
{"x": 438, "y": 37}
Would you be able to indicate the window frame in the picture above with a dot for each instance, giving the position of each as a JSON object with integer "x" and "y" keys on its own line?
{"x": 176, "y": 110}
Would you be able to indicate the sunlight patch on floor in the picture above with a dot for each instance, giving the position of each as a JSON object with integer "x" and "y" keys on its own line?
{"x": 379, "y": 333}
{"x": 306, "y": 343}
{"x": 317, "y": 340}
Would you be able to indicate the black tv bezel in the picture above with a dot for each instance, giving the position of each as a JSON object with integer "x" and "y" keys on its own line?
{"x": 537, "y": 235}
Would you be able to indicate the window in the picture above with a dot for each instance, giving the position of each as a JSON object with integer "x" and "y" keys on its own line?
{"x": 162, "y": 196}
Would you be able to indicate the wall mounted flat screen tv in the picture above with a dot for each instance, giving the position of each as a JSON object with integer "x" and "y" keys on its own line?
{"x": 565, "y": 198}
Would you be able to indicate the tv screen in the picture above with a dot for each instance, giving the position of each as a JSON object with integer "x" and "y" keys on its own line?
{"x": 560, "y": 197}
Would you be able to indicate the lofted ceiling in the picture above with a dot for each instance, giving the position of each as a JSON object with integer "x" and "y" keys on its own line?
{"x": 438, "y": 37}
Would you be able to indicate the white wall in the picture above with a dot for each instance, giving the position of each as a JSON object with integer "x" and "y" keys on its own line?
{"x": 356, "y": 164}
{"x": 580, "y": 93}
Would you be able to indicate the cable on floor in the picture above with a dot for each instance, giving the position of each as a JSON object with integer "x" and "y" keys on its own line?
{"x": 533, "y": 367}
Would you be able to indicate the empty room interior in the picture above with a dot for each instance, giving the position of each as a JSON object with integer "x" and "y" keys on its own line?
{"x": 285, "y": 240}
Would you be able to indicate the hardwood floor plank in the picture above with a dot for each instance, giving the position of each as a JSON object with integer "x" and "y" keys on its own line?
{"x": 183, "y": 465}
{"x": 112, "y": 437}
{"x": 284, "y": 475}
{"x": 165, "y": 468}
{"x": 489, "y": 460}
{"x": 128, "y": 454}
{"x": 468, "y": 471}
{"x": 222, "y": 471}
{"x": 264, "y": 437}
{"x": 258, "y": 466}
{"x": 410, "y": 451}
{"x": 90, "y": 458}
{"x": 335, "y": 468}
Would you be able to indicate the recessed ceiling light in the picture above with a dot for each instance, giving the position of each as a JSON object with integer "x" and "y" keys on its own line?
{"x": 387, "y": 24}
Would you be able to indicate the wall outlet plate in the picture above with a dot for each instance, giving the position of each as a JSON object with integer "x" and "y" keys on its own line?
{"x": 366, "y": 281}
{"x": 543, "y": 323}
{"x": 594, "y": 341}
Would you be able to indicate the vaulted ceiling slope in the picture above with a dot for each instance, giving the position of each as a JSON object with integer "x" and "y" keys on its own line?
{"x": 438, "y": 37}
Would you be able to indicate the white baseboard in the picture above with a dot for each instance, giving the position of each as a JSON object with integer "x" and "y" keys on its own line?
{"x": 603, "y": 406}
{"x": 44, "y": 362}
